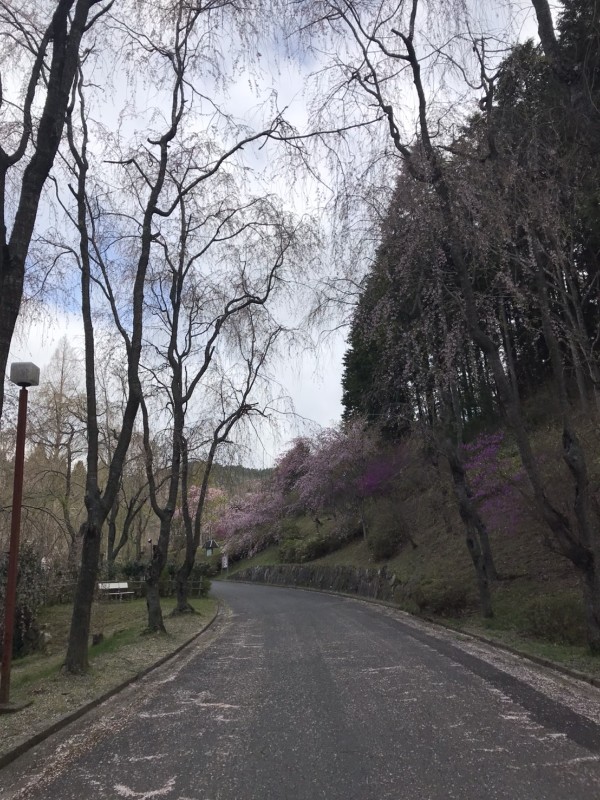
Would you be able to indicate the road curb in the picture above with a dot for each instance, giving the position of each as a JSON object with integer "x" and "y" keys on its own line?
{"x": 539, "y": 660}
{"x": 67, "y": 719}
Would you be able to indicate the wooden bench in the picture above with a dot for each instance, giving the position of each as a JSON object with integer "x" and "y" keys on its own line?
{"x": 115, "y": 589}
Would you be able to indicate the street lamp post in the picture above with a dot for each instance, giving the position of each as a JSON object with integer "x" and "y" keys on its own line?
{"x": 24, "y": 375}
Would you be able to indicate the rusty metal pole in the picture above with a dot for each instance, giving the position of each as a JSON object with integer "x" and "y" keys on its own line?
{"x": 13, "y": 557}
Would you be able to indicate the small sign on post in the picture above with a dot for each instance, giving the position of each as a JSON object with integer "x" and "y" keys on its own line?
{"x": 210, "y": 546}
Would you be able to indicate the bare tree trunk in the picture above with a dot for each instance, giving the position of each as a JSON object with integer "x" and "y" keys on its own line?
{"x": 479, "y": 552}
{"x": 473, "y": 528}
{"x": 254, "y": 358}
{"x": 181, "y": 584}
{"x": 579, "y": 377}
{"x": 76, "y": 661}
{"x": 164, "y": 513}
{"x": 153, "y": 573}
{"x": 98, "y": 504}
{"x": 11, "y": 292}
{"x": 137, "y": 539}
{"x": 111, "y": 536}
{"x": 363, "y": 523}
{"x": 478, "y": 540}
{"x": 191, "y": 541}
{"x": 546, "y": 30}
{"x": 63, "y": 35}
{"x": 74, "y": 554}
{"x": 445, "y": 515}
{"x": 509, "y": 350}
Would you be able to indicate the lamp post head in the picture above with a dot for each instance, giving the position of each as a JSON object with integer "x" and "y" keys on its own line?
{"x": 24, "y": 373}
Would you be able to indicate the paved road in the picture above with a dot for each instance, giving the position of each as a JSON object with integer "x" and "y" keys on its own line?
{"x": 300, "y": 696}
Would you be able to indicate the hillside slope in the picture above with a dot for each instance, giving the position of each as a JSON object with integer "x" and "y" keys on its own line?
{"x": 537, "y": 599}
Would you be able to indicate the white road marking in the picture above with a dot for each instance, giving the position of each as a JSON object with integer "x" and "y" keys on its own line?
{"x": 382, "y": 669}
{"x": 125, "y": 791}
{"x": 133, "y": 759}
{"x": 158, "y": 714}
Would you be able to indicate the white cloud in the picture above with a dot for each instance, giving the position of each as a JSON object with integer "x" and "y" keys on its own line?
{"x": 37, "y": 338}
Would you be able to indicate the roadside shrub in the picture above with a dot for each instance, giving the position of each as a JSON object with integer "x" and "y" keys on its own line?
{"x": 387, "y": 530}
{"x": 288, "y": 529}
{"x": 298, "y": 551}
{"x": 208, "y": 568}
{"x": 199, "y": 580}
{"x": 384, "y": 543}
{"x": 441, "y": 599}
{"x": 345, "y": 530}
{"x": 201, "y": 588}
{"x": 166, "y": 582}
{"x": 108, "y": 572}
{"x": 133, "y": 570}
{"x": 315, "y": 547}
{"x": 288, "y": 549}
{"x": 556, "y": 618}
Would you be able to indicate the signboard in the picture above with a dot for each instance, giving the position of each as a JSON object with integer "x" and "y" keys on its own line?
{"x": 224, "y": 562}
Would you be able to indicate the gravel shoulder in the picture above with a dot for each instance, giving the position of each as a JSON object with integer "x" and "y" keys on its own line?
{"x": 57, "y": 698}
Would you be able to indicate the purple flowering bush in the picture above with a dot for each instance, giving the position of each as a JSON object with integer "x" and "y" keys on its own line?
{"x": 496, "y": 483}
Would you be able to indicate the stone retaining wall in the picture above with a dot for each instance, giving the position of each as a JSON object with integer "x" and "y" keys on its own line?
{"x": 379, "y": 584}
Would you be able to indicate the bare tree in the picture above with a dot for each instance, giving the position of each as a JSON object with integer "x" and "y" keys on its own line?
{"x": 126, "y": 225}
{"x": 43, "y": 46}
{"x": 197, "y": 309}
{"x": 235, "y": 404}
{"x": 57, "y": 427}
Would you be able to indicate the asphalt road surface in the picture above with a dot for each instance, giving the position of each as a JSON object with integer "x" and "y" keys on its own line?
{"x": 297, "y": 695}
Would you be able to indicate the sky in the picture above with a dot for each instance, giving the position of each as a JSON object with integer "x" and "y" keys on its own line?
{"x": 313, "y": 380}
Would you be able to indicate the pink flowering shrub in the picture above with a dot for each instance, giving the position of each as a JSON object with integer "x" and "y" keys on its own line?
{"x": 337, "y": 469}
{"x": 334, "y": 472}
{"x": 289, "y": 470}
{"x": 248, "y": 524}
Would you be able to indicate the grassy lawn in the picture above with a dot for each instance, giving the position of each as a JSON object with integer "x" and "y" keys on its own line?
{"x": 268, "y": 556}
{"x": 575, "y": 657}
{"x": 121, "y": 623}
{"x": 125, "y": 652}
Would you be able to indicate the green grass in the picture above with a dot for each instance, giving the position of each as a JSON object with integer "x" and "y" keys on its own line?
{"x": 121, "y": 623}
{"x": 268, "y": 556}
{"x": 49, "y": 693}
{"x": 26, "y": 672}
{"x": 355, "y": 554}
{"x": 117, "y": 640}
{"x": 575, "y": 657}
